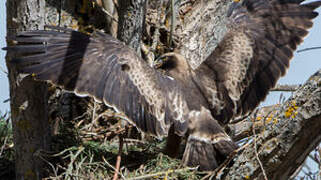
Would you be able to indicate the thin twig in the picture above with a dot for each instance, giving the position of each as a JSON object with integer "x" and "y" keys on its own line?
{"x": 255, "y": 148}
{"x": 111, "y": 166}
{"x": 55, "y": 170}
{"x": 156, "y": 35}
{"x": 4, "y": 144}
{"x": 149, "y": 176}
{"x": 308, "y": 49}
{"x": 106, "y": 12}
{"x": 319, "y": 158}
{"x": 173, "y": 21}
{"x": 93, "y": 120}
{"x": 121, "y": 143}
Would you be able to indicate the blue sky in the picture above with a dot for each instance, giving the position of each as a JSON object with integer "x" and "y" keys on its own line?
{"x": 4, "y": 87}
{"x": 302, "y": 65}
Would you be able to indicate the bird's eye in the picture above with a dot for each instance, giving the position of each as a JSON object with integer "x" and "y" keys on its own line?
{"x": 125, "y": 67}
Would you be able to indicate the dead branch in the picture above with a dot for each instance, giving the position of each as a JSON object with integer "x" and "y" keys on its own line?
{"x": 242, "y": 127}
{"x": 102, "y": 8}
{"x": 285, "y": 87}
{"x": 308, "y": 49}
{"x": 255, "y": 149}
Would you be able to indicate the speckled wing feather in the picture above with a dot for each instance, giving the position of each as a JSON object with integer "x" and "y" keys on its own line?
{"x": 254, "y": 54}
{"x": 104, "y": 68}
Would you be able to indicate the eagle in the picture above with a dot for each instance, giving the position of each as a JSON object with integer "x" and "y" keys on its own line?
{"x": 185, "y": 102}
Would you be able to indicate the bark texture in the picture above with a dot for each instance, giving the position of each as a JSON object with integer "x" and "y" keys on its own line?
{"x": 34, "y": 108}
{"x": 202, "y": 30}
{"x": 131, "y": 22}
{"x": 29, "y": 99}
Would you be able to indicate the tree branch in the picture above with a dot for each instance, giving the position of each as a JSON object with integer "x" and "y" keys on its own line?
{"x": 286, "y": 140}
{"x": 285, "y": 87}
{"x": 308, "y": 49}
{"x": 203, "y": 29}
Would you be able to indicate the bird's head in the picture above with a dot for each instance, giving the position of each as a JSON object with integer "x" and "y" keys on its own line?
{"x": 173, "y": 63}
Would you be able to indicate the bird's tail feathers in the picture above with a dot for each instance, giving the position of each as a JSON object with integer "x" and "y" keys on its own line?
{"x": 207, "y": 145}
{"x": 208, "y": 154}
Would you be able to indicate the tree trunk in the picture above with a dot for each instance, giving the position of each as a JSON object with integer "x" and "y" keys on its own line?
{"x": 202, "y": 30}
{"x": 32, "y": 115}
{"x": 29, "y": 99}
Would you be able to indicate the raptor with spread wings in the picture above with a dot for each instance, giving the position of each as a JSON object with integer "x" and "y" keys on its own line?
{"x": 252, "y": 56}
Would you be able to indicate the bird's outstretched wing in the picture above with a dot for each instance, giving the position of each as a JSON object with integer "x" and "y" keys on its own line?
{"x": 254, "y": 53}
{"x": 104, "y": 68}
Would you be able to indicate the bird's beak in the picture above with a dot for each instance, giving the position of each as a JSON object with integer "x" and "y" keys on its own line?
{"x": 234, "y": 4}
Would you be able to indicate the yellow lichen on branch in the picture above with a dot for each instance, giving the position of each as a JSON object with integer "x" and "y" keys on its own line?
{"x": 291, "y": 112}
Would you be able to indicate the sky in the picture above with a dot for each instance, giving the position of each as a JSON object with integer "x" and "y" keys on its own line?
{"x": 4, "y": 87}
{"x": 304, "y": 64}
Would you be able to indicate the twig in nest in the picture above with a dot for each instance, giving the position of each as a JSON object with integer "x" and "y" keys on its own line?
{"x": 93, "y": 120}
{"x": 255, "y": 147}
{"x": 121, "y": 143}
{"x": 111, "y": 166}
{"x": 149, "y": 176}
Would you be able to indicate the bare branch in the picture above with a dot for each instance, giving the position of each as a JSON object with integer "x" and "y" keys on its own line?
{"x": 285, "y": 87}
{"x": 242, "y": 127}
{"x": 255, "y": 149}
{"x": 121, "y": 143}
{"x": 308, "y": 49}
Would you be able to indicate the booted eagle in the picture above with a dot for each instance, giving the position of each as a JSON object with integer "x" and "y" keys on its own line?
{"x": 191, "y": 103}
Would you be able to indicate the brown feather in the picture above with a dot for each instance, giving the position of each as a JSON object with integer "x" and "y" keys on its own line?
{"x": 271, "y": 30}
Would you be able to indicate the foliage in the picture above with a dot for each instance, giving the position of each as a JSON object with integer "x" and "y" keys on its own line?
{"x": 6, "y": 148}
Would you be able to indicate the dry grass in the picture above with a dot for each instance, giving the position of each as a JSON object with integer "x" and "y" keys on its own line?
{"x": 6, "y": 148}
